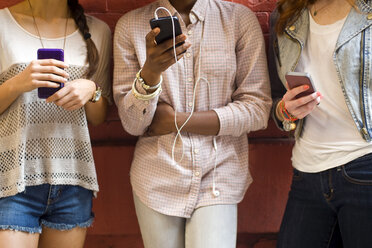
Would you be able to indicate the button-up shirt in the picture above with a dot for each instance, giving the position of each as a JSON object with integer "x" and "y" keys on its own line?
{"x": 233, "y": 61}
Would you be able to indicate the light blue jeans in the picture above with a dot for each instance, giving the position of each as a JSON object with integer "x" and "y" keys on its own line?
{"x": 209, "y": 227}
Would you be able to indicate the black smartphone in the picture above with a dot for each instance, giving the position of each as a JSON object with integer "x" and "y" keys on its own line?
{"x": 166, "y": 28}
{"x": 48, "y": 53}
{"x": 295, "y": 79}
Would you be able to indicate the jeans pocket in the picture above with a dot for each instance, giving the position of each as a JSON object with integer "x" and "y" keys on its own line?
{"x": 297, "y": 175}
{"x": 359, "y": 171}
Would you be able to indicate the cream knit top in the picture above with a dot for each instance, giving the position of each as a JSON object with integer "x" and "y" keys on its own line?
{"x": 41, "y": 142}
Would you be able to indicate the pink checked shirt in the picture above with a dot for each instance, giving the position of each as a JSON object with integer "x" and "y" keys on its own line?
{"x": 234, "y": 62}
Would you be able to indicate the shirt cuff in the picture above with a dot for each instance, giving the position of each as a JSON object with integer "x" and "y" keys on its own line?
{"x": 145, "y": 106}
{"x": 226, "y": 118}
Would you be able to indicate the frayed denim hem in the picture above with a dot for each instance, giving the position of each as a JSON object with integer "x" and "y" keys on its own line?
{"x": 30, "y": 230}
{"x": 62, "y": 226}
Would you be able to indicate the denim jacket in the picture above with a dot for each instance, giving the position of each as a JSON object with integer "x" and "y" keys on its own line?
{"x": 352, "y": 58}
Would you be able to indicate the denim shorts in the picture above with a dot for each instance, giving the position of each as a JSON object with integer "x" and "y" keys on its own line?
{"x": 60, "y": 207}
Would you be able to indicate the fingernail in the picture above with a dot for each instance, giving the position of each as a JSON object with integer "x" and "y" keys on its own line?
{"x": 318, "y": 94}
{"x": 306, "y": 87}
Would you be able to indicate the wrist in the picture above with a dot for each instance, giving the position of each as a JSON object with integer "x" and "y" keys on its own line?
{"x": 14, "y": 88}
{"x": 96, "y": 93}
{"x": 150, "y": 77}
{"x": 278, "y": 112}
{"x": 288, "y": 120}
{"x": 181, "y": 118}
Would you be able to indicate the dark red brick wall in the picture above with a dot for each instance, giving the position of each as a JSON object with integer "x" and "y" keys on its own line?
{"x": 260, "y": 212}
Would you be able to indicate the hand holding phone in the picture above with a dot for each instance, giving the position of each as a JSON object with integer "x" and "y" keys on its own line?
{"x": 160, "y": 54}
{"x": 46, "y": 53}
{"x": 302, "y": 108}
{"x": 296, "y": 79}
{"x": 166, "y": 28}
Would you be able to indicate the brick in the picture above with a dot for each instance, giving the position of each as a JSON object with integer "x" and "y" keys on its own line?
{"x": 263, "y": 18}
{"x": 125, "y": 6}
{"x": 7, "y": 3}
{"x": 258, "y": 5}
{"x": 96, "y": 6}
{"x": 109, "y": 18}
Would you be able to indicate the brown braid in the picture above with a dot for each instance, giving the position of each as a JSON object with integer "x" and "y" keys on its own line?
{"x": 290, "y": 10}
{"x": 77, "y": 13}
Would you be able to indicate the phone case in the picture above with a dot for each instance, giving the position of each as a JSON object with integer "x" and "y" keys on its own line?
{"x": 295, "y": 79}
{"x": 166, "y": 29}
{"x": 49, "y": 53}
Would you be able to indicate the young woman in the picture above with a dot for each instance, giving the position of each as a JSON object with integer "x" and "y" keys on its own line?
{"x": 47, "y": 174}
{"x": 191, "y": 201}
{"x": 332, "y": 156}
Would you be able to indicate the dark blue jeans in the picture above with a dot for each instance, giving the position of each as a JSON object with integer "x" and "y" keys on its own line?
{"x": 320, "y": 203}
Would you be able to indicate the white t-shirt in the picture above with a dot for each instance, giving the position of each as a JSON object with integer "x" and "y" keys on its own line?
{"x": 330, "y": 137}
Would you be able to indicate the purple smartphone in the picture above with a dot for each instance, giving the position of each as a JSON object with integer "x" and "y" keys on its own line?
{"x": 48, "y": 53}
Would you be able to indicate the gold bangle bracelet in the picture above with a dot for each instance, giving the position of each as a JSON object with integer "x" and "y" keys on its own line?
{"x": 142, "y": 96}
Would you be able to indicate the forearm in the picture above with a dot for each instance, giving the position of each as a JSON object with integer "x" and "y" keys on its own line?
{"x": 204, "y": 123}
{"x": 96, "y": 112}
{"x": 8, "y": 94}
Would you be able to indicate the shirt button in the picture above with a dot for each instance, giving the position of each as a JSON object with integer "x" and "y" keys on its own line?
{"x": 189, "y": 32}
{"x": 192, "y": 17}
{"x": 196, "y": 151}
{"x": 147, "y": 102}
{"x": 188, "y": 55}
{"x": 189, "y": 79}
{"x": 292, "y": 28}
{"x": 369, "y": 17}
{"x": 190, "y": 104}
{"x": 197, "y": 173}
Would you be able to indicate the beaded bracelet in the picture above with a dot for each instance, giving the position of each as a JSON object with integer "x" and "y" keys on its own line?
{"x": 286, "y": 115}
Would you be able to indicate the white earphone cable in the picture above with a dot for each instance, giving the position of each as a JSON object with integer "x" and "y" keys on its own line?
{"x": 200, "y": 78}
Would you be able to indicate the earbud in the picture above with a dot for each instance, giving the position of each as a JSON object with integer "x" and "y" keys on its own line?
{"x": 216, "y": 193}
{"x": 215, "y": 143}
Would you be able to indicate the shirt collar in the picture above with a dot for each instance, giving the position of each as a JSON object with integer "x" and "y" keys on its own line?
{"x": 199, "y": 10}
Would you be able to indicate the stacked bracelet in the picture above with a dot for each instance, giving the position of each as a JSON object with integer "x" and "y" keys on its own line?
{"x": 286, "y": 115}
{"x": 142, "y": 96}
{"x": 289, "y": 119}
{"x": 143, "y": 83}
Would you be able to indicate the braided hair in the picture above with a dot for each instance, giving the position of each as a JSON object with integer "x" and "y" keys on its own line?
{"x": 78, "y": 15}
